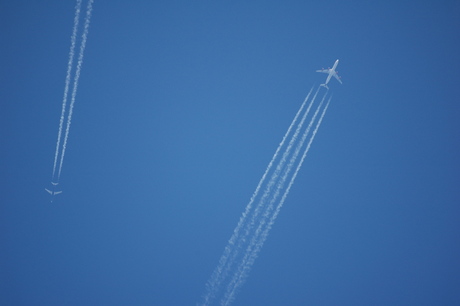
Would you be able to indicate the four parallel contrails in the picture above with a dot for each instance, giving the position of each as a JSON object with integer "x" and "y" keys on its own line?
{"x": 266, "y": 223}
{"x": 60, "y": 150}
{"x": 265, "y": 204}
{"x": 231, "y": 251}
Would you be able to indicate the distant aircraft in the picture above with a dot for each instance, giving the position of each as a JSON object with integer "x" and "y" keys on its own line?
{"x": 331, "y": 72}
{"x": 53, "y": 193}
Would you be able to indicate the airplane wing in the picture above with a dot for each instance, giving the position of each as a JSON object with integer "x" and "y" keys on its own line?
{"x": 337, "y": 77}
{"x": 57, "y": 192}
{"x": 49, "y": 191}
{"x": 323, "y": 70}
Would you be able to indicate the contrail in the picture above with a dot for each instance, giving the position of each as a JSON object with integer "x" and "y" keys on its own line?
{"x": 261, "y": 233}
{"x": 256, "y": 214}
{"x": 277, "y": 171}
{"x": 280, "y": 165}
{"x": 213, "y": 284}
{"x": 257, "y": 210}
{"x": 280, "y": 204}
{"x": 75, "y": 83}
{"x": 238, "y": 239}
{"x": 73, "y": 38}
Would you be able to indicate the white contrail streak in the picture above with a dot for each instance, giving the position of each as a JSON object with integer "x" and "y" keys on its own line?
{"x": 237, "y": 240}
{"x": 278, "y": 169}
{"x": 257, "y": 210}
{"x": 73, "y": 38}
{"x": 75, "y": 83}
{"x": 256, "y": 214}
{"x": 261, "y": 233}
{"x": 280, "y": 166}
{"x": 219, "y": 274}
{"x": 286, "y": 192}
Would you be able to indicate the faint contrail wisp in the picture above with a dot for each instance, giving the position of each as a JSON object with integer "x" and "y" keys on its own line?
{"x": 256, "y": 221}
{"x": 75, "y": 83}
{"x": 73, "y": 38}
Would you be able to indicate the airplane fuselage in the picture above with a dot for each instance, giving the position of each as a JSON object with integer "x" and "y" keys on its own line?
{"x": 331, "y": 72}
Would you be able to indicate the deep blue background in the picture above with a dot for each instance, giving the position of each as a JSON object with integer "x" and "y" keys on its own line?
{"x": 180, "y": 107}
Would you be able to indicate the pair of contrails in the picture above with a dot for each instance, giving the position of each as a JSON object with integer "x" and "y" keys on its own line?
{"x": 60, "y": 151}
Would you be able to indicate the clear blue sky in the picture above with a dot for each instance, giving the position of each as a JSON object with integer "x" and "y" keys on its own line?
{"x": 181, "y": 106}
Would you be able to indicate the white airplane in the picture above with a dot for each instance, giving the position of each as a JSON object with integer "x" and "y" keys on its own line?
{"x": 331, "y": 72}
{"x": 53, "y": 193}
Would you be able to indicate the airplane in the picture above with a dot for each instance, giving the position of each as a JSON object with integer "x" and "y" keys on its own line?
{"x": 330, "y": 72}
{"x": 53, "y": 193}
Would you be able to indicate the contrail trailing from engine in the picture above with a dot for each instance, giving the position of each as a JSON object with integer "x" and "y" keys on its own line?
{"x": 73, "y": 38}
{"x": 256, "y": 221}
{"x": 280, "y": 165}
{"x": 75, "y": 83}
{"x": 220, "y": 271}
{"x": 260, "y": 208}
{"x": 269, "y": 217}
{"x": 73, "y": 41}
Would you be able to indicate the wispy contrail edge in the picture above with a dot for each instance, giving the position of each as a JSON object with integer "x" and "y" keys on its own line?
{"x": 257, "y": 243}
{"x": 75, "y": 84}
{"x": 219, "y": 273}
{"x": 73, "y": 38}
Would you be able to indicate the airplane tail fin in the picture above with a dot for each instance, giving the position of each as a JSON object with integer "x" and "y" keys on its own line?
{"x": 324, "y": 85}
